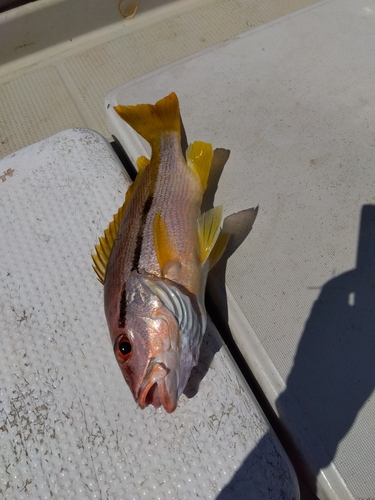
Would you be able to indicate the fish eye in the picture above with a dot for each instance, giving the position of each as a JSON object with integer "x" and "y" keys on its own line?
{"x": 123, "y": 348}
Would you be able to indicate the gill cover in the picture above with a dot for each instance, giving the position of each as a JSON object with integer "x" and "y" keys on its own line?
{"x": 192, "y": 324}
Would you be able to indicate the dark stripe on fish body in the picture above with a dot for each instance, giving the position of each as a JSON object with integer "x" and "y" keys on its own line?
{"x": 137, "y": 251}
{"x": 122, "y": 315}
{"x": 138, "y": 247}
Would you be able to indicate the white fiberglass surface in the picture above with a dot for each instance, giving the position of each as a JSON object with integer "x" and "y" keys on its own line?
{"x": 293, "y": 102}
{"x": 69, "y": 427}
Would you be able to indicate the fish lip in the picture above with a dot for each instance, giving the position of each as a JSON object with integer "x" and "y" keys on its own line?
{"x": 153, "y": 389}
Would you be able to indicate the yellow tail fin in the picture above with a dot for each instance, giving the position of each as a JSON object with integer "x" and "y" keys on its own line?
{"x": 151, "y": 121}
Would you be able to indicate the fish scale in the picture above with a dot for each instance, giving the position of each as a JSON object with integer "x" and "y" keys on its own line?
{"x": 174, "y": 199}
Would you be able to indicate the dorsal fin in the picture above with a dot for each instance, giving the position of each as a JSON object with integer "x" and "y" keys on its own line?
{"x": 208, "y": 231}
{"x": 105, "y": 245}
{"x": 199, "y": 157}
{"x": 151, "y": 121}
{"x": 142, "y": 163}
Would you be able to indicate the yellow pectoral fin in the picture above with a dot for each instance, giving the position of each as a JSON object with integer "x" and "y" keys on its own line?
{"x": 199, "y": 157}
{"x": 208, "y": 231}
{"x": 165, "y": 246}
{"x": 105, "y": 245}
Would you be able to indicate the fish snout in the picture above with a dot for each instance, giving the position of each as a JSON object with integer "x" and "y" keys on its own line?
{"x": 159, "y": 388}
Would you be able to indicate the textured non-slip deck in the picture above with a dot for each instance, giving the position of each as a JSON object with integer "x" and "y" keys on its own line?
{"x": 57, "y": 77}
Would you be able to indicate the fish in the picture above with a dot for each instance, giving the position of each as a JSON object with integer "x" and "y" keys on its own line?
{"x": 154, "y": 258}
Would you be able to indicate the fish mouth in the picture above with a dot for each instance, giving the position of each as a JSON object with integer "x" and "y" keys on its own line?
{"x": 157, "y": 389}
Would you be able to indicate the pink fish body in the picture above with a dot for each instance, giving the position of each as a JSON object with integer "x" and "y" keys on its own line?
{"x": 155, "y": 256}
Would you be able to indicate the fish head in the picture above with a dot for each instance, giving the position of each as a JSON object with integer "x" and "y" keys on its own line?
{"x": 144, "y": 352}
{"x": 153, "y": 347}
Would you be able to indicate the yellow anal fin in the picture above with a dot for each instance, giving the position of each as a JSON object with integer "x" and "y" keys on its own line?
{"x": 199, "y": 157}
{"x": 208, "y": 231}
{"x": 105, "y": 245}
{"x": 218, "y": 249}
{"x": 165, "y": 247}
{"x": 151, "y": 121}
